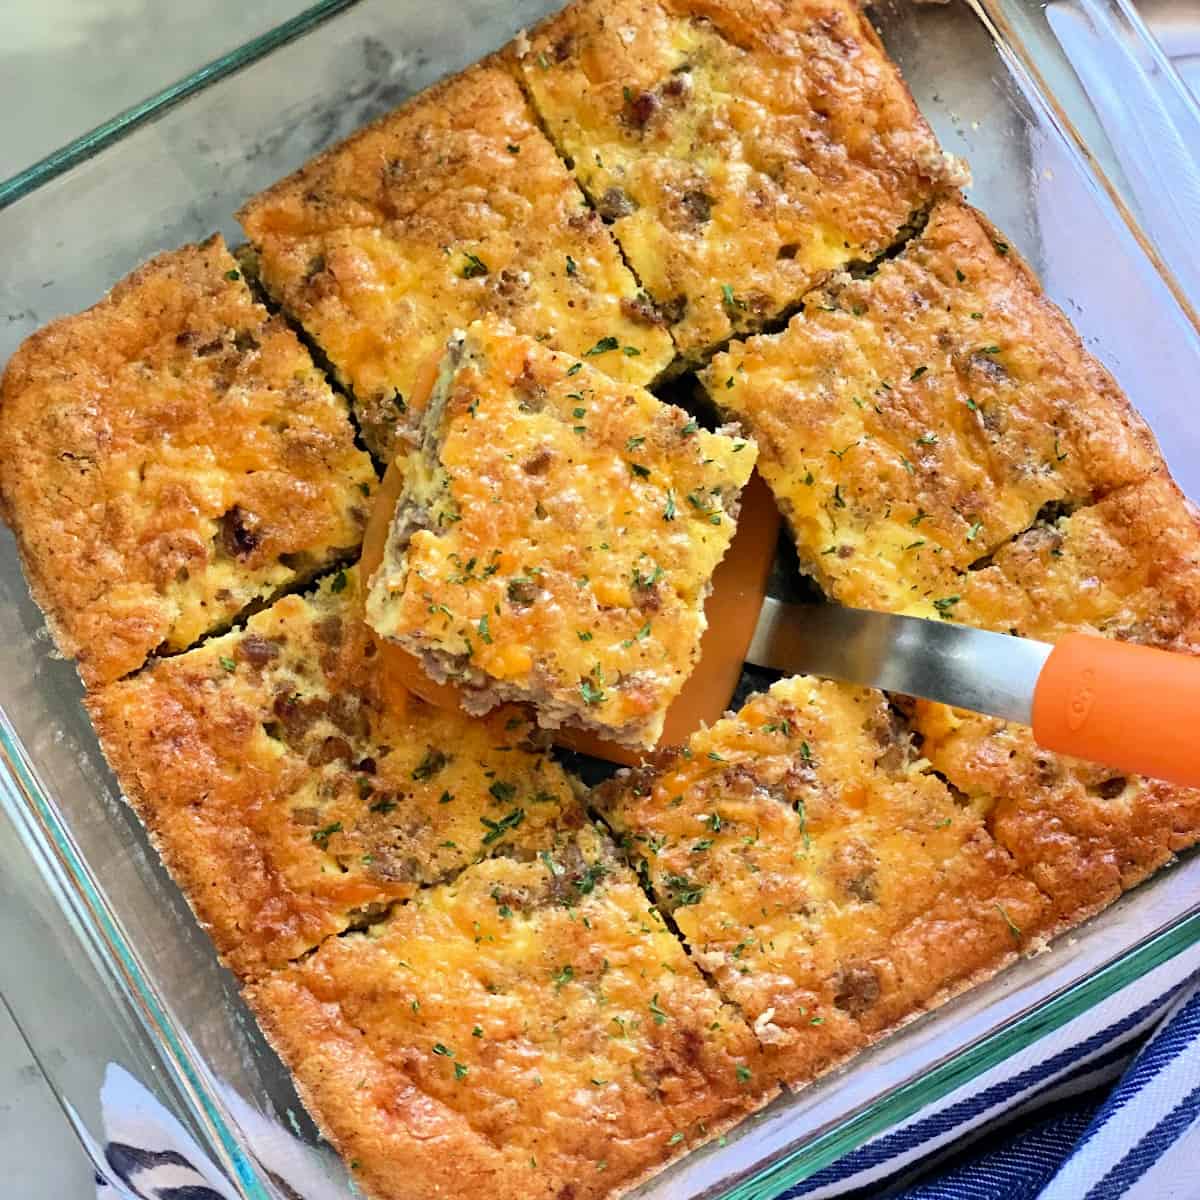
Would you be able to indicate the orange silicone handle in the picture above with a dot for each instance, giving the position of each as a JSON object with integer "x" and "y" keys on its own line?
{"x": 1131, "y": 707}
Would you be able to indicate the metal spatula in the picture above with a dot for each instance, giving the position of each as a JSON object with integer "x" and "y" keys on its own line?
{"x": 1130, "y": 707}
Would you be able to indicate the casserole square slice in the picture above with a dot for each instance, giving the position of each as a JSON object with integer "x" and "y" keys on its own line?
{"x": 556, "y": 537}
{"x": 451, "y": 207}
{"x": 821, "y": 874}
{"x": 1129, "y": 568}
{"x": 912, "y": 421}
{"x": 531, "y": 1029}
{"x": 169, "y": 458}
{"x": 292, "y": 794}
{"x": 741, "y": 149}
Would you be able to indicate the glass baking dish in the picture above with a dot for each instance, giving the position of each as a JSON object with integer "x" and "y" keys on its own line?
{"x": 102, "y": 964}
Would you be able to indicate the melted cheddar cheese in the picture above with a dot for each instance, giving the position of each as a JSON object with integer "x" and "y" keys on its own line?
{"x": 170, "y": 457}
{"x": 556, "y": 536}
{"x": 291, "y": 797}
{"x": 913, "y": 421}
{"x": 821, "y": 875}
{"x": 453, "y": 206}
{"x": 1127, "y": 567}
{"x": 742, "y": 149}
{"x": 531, "y": 1028}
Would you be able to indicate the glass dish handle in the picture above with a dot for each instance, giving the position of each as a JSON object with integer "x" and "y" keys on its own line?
{"x": 1150, "y": 118}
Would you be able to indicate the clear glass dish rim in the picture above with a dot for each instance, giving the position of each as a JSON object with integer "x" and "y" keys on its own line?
{"x": 100, "y": 928}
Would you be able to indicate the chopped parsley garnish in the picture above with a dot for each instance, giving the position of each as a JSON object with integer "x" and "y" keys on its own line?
{"x": 989, "y": 349}
{"x": 631, "y": 352}
{"x": 497, "y": 829}
{"x": 731, "y": 302}
{"x": 945, "y": 604}
{"x": 743, "y": 1074}
{"x": 634, "y": 442}
{"x": 675, "y": 1139}
{"x": 502, "y": 791}
{"x": 1001, "y": 247}
{"x": 233, "y": 276}
{"x": 806, "y": 754}
{"x": 321, "y": 836}
{"x": 513, "y": 148}
{"x": 572, "y": 265}
{"x": 430, "y": 765}
{"x": 228, "y": 663}
{"x": 460, "y": 1071}
{"x": 473, "y": 267}
{"x": 682, "y": 891}
{"x": 928, "y": 438}
{"x": 1013, "y": 928}
{"x": 838, "y": 499}
{"x": 339, "y": 582}
{"x": 917, "y": 374}
{"x": 591, "y": 693}
{"x": 660, "y": 1017}
{"x": 584, "y": 635}
{"x": 603, "y": 346}
{"x": 689, "y": 428}
{"x": 1059, "y": 456}
{"x": 442, "y": 1051}
{"x": 562, "y": 977}
{"x": 959, "y": 275}
{"x": 445, "y": 798}
{"x": 669, "y": 509}
{"x": 477, "y": 1031}
{"x": 640, "y": 471}
{"x": 574, "y": 368}
{"x": 973, "y": 532}
{"x": 484, "y": 635}
{"x": 921, "y": 515}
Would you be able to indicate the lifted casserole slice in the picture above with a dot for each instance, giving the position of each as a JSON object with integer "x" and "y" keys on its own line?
{"x": 1129, "y": 568}
{"x": 741, "y": 149}
{"x": 291, "y": 798}
{"x": 912, "y": 421}
{"x": 819, "y": 872}
{"x": 453, "y": 206}
{"x": 530, "y": 1029}
{"x": 168, "y": 458}
{"x": 555, "y": 538}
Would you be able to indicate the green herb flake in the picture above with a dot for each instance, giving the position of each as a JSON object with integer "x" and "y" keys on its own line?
{"x": 660, "y": 1017}
{"x": 430, "y": 765}
{"x": 562, "y": 977}
{"x": 591, "y": 693}
{"x": 743, "y": 1074}
{"x": 640, "y": 471}
{"x": 502, "y": 791}
{"x": 675, "y": 1139}
{"x": 689, "y": 428}
{"x": 731, "y": 302}
{"x": 513, "y": 148}
{"x": 321, "y": 837}
{"x": 945, "y": 604}
{"x": 442, "y": 1051}
{"x": 1013, "y": 928}
{"x": 1001, "y": 248}
{"x": 959, "y": 275}
{"x": 228, "y": 664}
{"x": 634, "y": 443}
{"x": 339, "y": 583}
{"x": 603, "y": 346}
{"x": 233, "y": 276}
{"x": 631, "y": 352}
{"x": 484, "y": 634}
{"x": 917, "y": 374}
{"x": 572, "y": 266}
{"x": 574, "y": 369}
{"x": 584, "y": 635}
{"x": 497, "y": 829}
{"x": 477, "y": 1031}
{"x": 460, "y": 1071}
{"x": 974, "y": 531}
{"x": 929, "y": 438}
{"x": 669, "y": 508}
{"x": 473, "y": 267}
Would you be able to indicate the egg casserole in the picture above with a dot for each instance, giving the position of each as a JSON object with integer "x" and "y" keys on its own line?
{"x": 1127, "y": 567}
{"x": 453, "y": 206}
{"x": 531, "y": 1029}
{"x": 819, "y": 872}
{"x": 293, "y": 795}
{"x": 914, "y": 420}
{"x": 170, "y": 457}
{"x": 556, "y": 536}
{"x": 741, "y": 149}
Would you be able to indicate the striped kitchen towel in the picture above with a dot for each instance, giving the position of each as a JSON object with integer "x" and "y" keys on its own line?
{"x": 1101, "y": 1108}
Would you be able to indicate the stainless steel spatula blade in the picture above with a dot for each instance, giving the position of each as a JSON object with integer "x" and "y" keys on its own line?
{"x": 936, "y": 660}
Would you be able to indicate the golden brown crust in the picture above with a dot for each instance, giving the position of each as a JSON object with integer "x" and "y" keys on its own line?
{"x": 169, "y": 457}
{"x": 556, "y": 537}
{"x": 453, "y": 206}
{"x": 1127, "y": 567}
{"x": 912, "y": 421}
{"x": 742, "y": 148}
{"x": 827, "y": 881}
{"x": 290, "y": 796}
{"x": 530, "y": 1027}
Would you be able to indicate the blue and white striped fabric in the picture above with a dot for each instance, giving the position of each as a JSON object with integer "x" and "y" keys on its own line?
{"x": 1104, "y": 1108}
